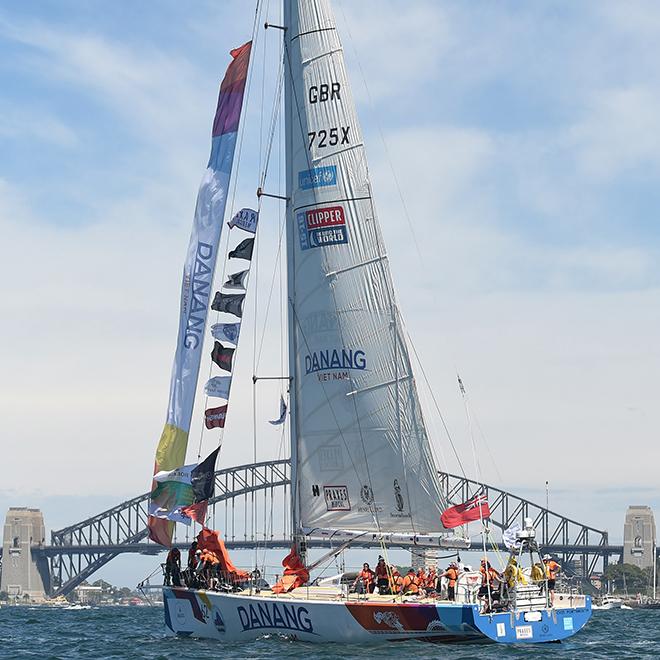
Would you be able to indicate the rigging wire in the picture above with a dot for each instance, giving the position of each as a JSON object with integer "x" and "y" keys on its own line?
{"x": 372, "y": 105}
{"x": 437, "y": 408}
{"x": 231, "y": 205}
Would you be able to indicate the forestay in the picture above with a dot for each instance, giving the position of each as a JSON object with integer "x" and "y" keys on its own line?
{"x": 361, "y": 454}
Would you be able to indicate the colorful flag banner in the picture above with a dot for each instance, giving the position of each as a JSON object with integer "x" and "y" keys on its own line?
{"x": 232, "y": 303}
{"x": 218, "y": 386}
{"x": 510, "y": 538}
{"x": 245, "y": 219}
{"x": 222, "y": 356}
{"x": 475, "y": 509}
{"x": 236, "y": 280}
{"x": 173, "y": 490}
{"x": 196, "y": 512}
{"x": 214, "y": 418}
{"x": 180, "y": 474}
{"x": 282, "y": 417}
{"x": 226, "y": 332}
{"x": 196, "y": 285}
{"x": 243, "y": 250}
{"x": 203, "y": 477}
{"x": 203, "y": 487}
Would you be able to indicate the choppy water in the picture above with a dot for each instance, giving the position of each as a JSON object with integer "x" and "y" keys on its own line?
{"x": 139, "y": 633}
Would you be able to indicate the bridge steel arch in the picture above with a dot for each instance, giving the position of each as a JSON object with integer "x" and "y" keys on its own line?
{"x": 77, "y": 551}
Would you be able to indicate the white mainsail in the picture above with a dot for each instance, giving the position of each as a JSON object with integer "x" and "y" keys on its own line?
{"x": 360, "y": 452}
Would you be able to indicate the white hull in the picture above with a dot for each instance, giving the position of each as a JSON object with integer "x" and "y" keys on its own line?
{"x": 321, "y": 615}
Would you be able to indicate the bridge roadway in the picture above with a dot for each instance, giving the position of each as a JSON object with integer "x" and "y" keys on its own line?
{"x": 247, "y": 508}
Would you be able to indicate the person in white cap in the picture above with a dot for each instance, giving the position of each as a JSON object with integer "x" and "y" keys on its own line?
{"x": 552, "y": 569}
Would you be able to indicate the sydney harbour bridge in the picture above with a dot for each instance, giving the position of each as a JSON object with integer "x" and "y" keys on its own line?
{"x": 251, "y": 508}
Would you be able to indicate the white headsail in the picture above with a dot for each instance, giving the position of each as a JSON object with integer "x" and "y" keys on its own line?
{"x": 360, "y": 453}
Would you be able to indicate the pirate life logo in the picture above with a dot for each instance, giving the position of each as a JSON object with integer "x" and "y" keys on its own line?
{"x": 368, "y": 500}
{"x": 399, "y": 502}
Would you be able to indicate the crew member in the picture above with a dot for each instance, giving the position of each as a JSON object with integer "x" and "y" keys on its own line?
{"x": 452, "y": 576}
{"x": 537, "y": 573}
{"x": 431, "y": 579}
{"x": 173, "y": 568}
{"x": 552, "y": 569}
{"x": 410, "y": 584}
{"x": 513, "y": 574}
{"x": 367, "y": 577}
{"x": 396, "y": 580}
{"x": 490, "y": 583}
{"x": 382, "y": 579}
{"x": 192, "y": 561}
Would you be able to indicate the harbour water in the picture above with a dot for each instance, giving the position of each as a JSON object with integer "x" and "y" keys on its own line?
{"x": 139, "y": 633}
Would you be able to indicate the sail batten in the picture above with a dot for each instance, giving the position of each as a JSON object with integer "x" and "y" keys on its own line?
{"x": 361, "y": 458}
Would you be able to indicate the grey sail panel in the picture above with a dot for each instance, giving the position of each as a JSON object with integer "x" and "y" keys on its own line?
{"x": 362, "y": 458}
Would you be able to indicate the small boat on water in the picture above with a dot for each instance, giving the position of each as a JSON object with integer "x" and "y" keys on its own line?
{"x": 362, "y": 464}
{"x": 609, "y": 602}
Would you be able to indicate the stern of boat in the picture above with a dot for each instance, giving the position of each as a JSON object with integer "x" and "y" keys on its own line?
{"x": 534, "y": 626}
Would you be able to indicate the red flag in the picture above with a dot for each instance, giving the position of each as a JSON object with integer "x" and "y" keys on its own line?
{"x": 196, "y": 511}
{"x": 215, "y": 417}
{"x": 295, "y": 573}
{"x": 475, "y": 509}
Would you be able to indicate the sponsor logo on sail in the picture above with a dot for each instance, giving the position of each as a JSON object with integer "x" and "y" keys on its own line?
{"x": 321, "y": 227}
{"x": 318, "y": 322}
{"x": 398, "y": 497}
{"x": 368, "y": 500}
{"x": 318, "y": 177}
{"x": 330, "y": 458}
{"x": 336, "y": 498}
{"x": 278, "y": 616}
{"x": 337, "y": 362}
{"x": 367, "y": 494}
{"x": 195, "y": 294}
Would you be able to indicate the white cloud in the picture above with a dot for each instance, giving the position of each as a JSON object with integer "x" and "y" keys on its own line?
{"x": 18, "y": 123}
{"x": 556, "y": 339}
{"x": 620, "y": 131}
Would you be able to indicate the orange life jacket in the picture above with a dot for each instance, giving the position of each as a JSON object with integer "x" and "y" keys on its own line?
{"x": 452, "y": 576}
{"x": 552, "y": 568}
{"x": 431, "y": 580}
{"x": 410, "y": 584}
{"x": 367, "y": 577}
{"x": 489, "y": 575}
{"x": 395, "y": 582}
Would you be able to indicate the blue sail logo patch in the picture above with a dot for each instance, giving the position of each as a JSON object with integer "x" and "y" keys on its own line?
{"x": 318, "y": 177}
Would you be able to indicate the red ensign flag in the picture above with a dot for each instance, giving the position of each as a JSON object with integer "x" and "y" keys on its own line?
{"x": 475, "y": 509}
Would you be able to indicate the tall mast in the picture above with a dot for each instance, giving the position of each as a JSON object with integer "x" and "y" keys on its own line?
{"x": 290, "y": 256}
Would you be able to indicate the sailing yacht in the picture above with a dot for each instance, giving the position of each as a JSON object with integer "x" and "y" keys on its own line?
{"x": 361, "y": 460}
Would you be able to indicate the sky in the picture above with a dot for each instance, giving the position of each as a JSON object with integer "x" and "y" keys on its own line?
{"x": 514, "y": 151}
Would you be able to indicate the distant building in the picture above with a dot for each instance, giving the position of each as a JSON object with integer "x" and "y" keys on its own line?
{"x": 639, "y": 537}
{"x": 87, "y": 594}
{"x": 23, "y": 575}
